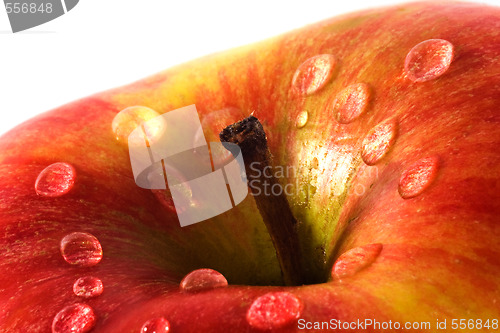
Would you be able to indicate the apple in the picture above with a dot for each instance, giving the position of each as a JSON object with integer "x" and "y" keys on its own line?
{"x": 381, "y": 134}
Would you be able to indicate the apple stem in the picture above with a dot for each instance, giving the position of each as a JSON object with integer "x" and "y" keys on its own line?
{"x": 249, "y": 135}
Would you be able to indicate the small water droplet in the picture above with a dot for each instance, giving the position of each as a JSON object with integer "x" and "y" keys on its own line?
{"x": 428, "y": 60}
{"x": 132, "y": 117}
{"x": 351, "y": 102}
{"x": 156, "y": 325}
{"x": 88, "y": 287}
{"x": 203, "y": 279}
{"x": 314, "y": 73}
{"x": 76, "y": 318}
{"x": 301, "y": 120}
{"x": 55, "y": 180}
{"x": 354, "y": 260}
{"x": 81, "y": 249}
{"x": 274, "y": 310}
{"x": 378, "y": 141}
{"x": 417, "y": 177}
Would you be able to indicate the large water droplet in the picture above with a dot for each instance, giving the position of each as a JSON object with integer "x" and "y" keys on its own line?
{"x": 55, "y": 180}
{"x": 87, "y": 287}
{"x": 428, "y": 60}
{"x": 378, "y": 141}
{"x": 301, "y": 120}
{"x": 351, "y": 102}
{"x": 314, "y": 73}
{"x": 354, "y": 260}
{"x": 132, "y": 117}
{"x": 81, "y": 249}
{"x": 156, "y": 325}
{"x": 76, "y": 318}
{"x": 417, "y": 177}
{"x": 274, "y": 310}
{"x": 203, "y": 279}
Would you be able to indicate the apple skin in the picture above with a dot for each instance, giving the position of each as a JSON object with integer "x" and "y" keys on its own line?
{"x": 440, "y": 257}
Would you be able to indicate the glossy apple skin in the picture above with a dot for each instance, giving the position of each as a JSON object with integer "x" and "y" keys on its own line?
{"x": 440, "y": 256}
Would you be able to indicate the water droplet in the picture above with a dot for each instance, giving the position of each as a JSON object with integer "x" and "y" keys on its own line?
{"x": 428, "y": 60}
{"x": 157, "y": 325}
{"x": 378, "y": 141}
{"x": 132, "y": 117}
{"x": 301, "y": 120}
{"x": 351, "y": 102}
{"x": 417, "y": 177}
{"x": 274, "y": 310}
{"x": 88, "y": 287}
{"x": 55, "y": 180}
{"x": 76, "y": 318}
{"x": 314, "y": 73}
{"x": 203, "y": 279}
{"x": 354, "y": 260}
{"x": 81, "y": 249}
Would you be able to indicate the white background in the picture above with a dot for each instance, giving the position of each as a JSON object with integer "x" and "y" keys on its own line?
{"x": 101, "y": 44}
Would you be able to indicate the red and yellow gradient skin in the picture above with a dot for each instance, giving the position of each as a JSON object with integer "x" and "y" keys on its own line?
{"x": 440, "y": 257}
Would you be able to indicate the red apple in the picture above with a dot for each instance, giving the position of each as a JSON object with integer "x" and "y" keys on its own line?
{"x": 384, "y": 127}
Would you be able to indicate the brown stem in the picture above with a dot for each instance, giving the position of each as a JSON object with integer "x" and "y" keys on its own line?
{"x": 249, "y": 135}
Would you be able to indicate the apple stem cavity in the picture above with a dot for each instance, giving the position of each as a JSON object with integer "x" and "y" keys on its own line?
{"x": 249, "y": 135}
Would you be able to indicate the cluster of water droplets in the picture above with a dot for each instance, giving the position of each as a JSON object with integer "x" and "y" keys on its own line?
{"x": 79, "y": 249}
{"x": 426, "y": 61}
